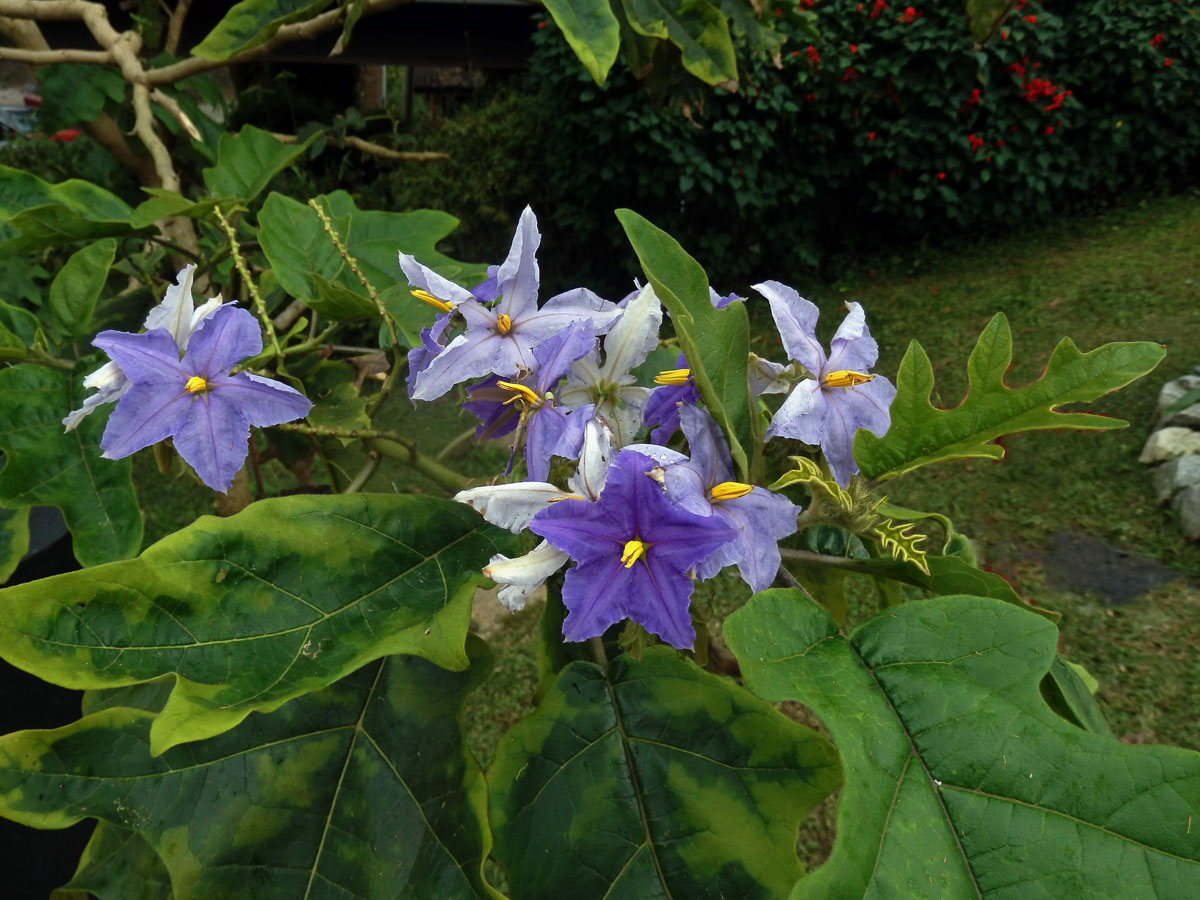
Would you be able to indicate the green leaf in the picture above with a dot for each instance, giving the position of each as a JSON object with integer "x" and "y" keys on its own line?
{"x": 117, "y": 864}
{"x": 14, "y": 539}
{"x": 715, "y": 342}
{"x": 1192, "y": 396}
{"x": 77, "y": 286}
{"x": 1069, "y": 690}
{"x": 592, "y": 31}
{"x": 248, "y": 160}
{"x": 35, "y": 214}
{"x": 364, "y": 789}
{"x": 901, "y": 541}
{"x": 336, "y": 401}
{"x": 697, "y": 28}
{"x": 660, "y": 780}
{"x": 251, "y": 611}
{"x": 254, "y": 22}
{"x": 984, "y": 16}
{"x": 47, "y": 466}
{"x": 960, "y": 781}
{"x": 73, "y": 93}
{"x": 922, "y": 434}
{"x": 164, "y": 203}
{"x": 310, "y": 268}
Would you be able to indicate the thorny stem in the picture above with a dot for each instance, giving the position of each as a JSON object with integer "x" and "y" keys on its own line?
{"x": 261, "y": 307}
{"x": 821, "y": 559}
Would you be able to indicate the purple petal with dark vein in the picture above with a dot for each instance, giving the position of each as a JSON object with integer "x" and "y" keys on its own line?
{"x": 488, "y": 405}
{"x": 518, "y": 277}
{"x": 225, "y": 338}
{"x": 543, "y": 429}
{"x": 145, "y": 415}
{"x": 262, "y": 401}
{"x": 555, "y": 354}
{"x": 489, "y": 289}
{"x": 570, "y": 443}
{"x": 470, "y": 355}
{"x": 720, "y": 302}
{"x": 149, "y": 358}
{"x": 604, "y": 314}
{"x": 591, "y": 592}
{"x": 686, "y": 488}
{"x": 707, "y": 446}
{"x": 761, "y": 519}
{"x": 419, "y": 358}
{"x": 658, "y": 600}
{"x": 213, "y": 440}
{"x": 540, "y": 325}
{"x": 802, "y": 415}
{"x": 796, "y": 319}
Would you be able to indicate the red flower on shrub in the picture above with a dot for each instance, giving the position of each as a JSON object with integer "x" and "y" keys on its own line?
{"x": 878, "y": 8}
{"x": 1049, "y": 129}
{"x": 1167, "y": 61}
{"x": 814, "y": 56}
{"x": 870, "y": 135}
{"x": 853, "y": 49}
{"x": 849, "y": 74}
{"x": 972, "y": 100}
{"x": 975, "y": 141}
{"x": 1157, "y": 40}
{"x": 941, "y": 176}
{"x": 1032, "y": 20}
{"x": 1017, "y": 69}
{"x": 909, "y": 15}
{"x": 1057, "y": 101}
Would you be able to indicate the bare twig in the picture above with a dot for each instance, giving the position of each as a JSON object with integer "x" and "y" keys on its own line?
{"x": 171, "y": 106}
{"x": 50, "y": 57}
{"x": 175, "y": 26}
{"x": 388, "y": 153}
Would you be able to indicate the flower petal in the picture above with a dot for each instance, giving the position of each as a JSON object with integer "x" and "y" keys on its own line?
{"x": 802, "y": 415}
{"x": 263, "y": 401}
{"x": 522, "y": 575}
{"x": 555, "y": 354}
{"x": 761, "y": 519}
{"x": 595, "y": 457}
{"x": 511, "y": 506}
{"x": 796, "y": 319}
{"x": 423, "y": 278}
{"x": 634, "y": 335}
{"x": 214, "y": 439}
{"x": 225, "y": 338}
{"x": 852, "y": 347}
{"x": 145, "y": 415}
{"x": 518, "y": 276}
{"x": 174, "y": 313}
{"x": 149, "y": 358}
{"x": 468, "y": 356}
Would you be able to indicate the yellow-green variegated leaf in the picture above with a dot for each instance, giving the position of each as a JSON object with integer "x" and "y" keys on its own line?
{"x": 361, "y": 791}
{"x": 659, "y": 780}
{"x": 592, "y": 31}
{"x": 249, "y": 612}
{"x": 960, "y": 780}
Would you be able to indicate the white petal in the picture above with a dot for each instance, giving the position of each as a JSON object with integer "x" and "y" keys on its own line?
{"x": 588, "y": 480}
{"x": 108, "y": 375}
{"x": 511, "y": 506}
{"x": 634, "y": 336}
{"x": 201, "y": 313}
{"x": 175, "y": 312}
{"x": 523, "y": 575}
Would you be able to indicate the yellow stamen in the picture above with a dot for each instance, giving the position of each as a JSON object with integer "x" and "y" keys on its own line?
{"x": 433, "y": 301}
{"x": 196, "y": 385}
{"x": 729, "y": 490}
{"x": 520, "y": 392}
{"x": 565, "y": 497}
{"x": 845, "y": 378}
{"x": 503, "y": 324}
{"x": 633, "y": 552}
{"x": 673, "y": 376}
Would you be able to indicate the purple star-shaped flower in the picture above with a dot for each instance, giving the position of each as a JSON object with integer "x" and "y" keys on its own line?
{"x": 842, "y": 396}
{"x": 704, "y": 485}
{"x": 195, "y": 400}
{"x": 500, "y": 339}
{"x": 632, "y": 549}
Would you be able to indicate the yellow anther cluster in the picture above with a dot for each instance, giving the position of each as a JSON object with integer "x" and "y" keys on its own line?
{"x": 426, "y": 297}
{"x": 520, "y": 392}
{"x": 634, "y": 550}
{"x": 673, "y": 376}
{"x": 503, "y": 324}
{"x": 196, "y": 385}
{"x": 845, "y": 378}
{"x": 729, "y": 490}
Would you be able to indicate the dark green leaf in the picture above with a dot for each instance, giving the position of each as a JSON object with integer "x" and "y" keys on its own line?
{"x": 960, "y": 781}
{"x": 363, "y": 789}
{"x": 117, "y": 864}
{"x": 164, "y": 203}
{"x": 76, "y": 93}
{"x": 46, "y": 466}
{"x": 77, "y": 286}
{"x": 253, "y": 22}
{"x": 592, "y": 31}
{"x": 716, "y": 342}
{"x": 1067, "y": 692}
{"x": 922, "y": 434}
{"x": 35, "y": 214}
{"x": 254, "y": 610}
{"x": 248, "y": 160}
{"x": 660, "y": 780}
{"x": 336, "y": 401}
{"x": 18, "y": 328}
{"x": 14, "y": 539}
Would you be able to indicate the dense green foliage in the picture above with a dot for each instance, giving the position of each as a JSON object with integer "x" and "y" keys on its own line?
{"x": 892, "y": 125}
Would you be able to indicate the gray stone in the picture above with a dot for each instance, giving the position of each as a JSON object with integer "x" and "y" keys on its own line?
{"x": 1084, "y": 565}
{"x": 1168, "y": 443}
{"x": 1176, "y": 474}
{"x": 1173, "y": 390}
{"x": 1187, "y": 505}
{"x": 1185, "y": 418}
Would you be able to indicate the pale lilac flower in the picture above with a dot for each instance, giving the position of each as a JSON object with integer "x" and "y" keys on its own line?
{"x": 842, "y": 396}
{"x": 632, "y": 548}
{"x": 704, "y": 485}
{"x": 176, "y": 313}
{"x": 194, "y": 399}
{"x": 676, "y": 387}
{"x": 499, "y": 339}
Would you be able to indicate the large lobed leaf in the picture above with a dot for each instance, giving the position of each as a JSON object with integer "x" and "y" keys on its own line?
{"x": 248, "y": 160}
{"x": 715, "y": 342}
{"x": 35, "y": 214}
{"x": 960, "y": 781}
{"x": 698, "y": 28}
{"x": 922, "y": 434}
{"x": 47, "y": 466}
{"x": 77, "y": 287}
{"x": 660, "y": 780}
{"x": 310, "y": 268}
{"x": 592, "y": 31}
{"x": 362, "y": 790}
{"x": 251, "y": 611}
{"x": 14, "y": 539}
